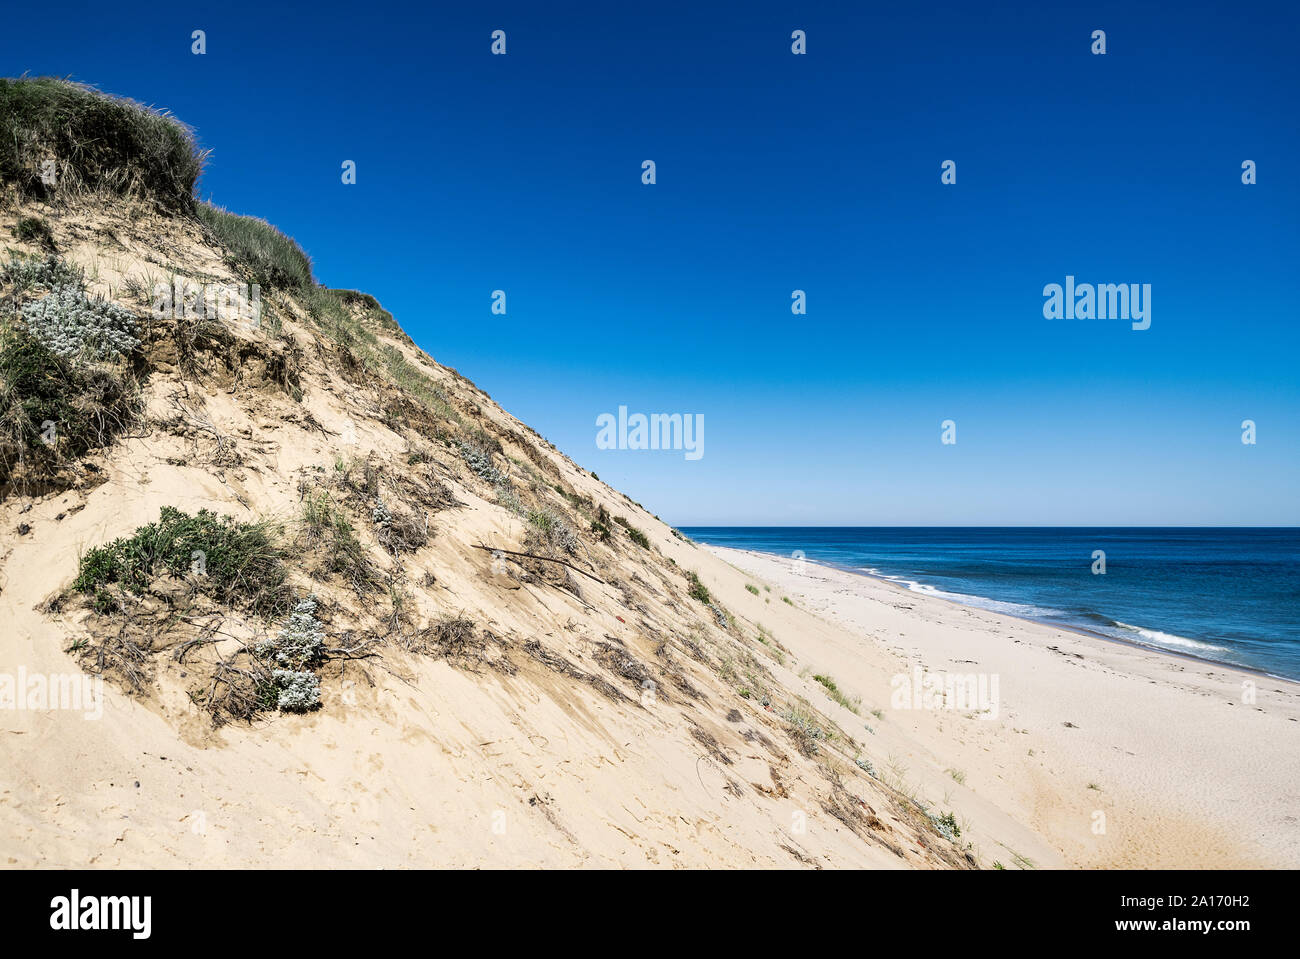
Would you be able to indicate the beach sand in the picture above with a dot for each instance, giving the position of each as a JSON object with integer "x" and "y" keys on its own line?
{"x": 1162, "y": 750}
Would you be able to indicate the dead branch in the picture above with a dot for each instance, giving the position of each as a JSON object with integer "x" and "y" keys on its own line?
{"x": 548, "y": 559}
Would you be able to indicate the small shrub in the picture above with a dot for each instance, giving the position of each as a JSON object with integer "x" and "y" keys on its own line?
{"x": 479, "y": 461}
{"x": 52, "y": 410}
{"x": 946, "y": 826}
{"x": 752, "y": 589}
{"x": 241, "y": 563}
{"x": 70, "y": 325}
{"x": 32, "y": 229}
{"x": 300, "y": 642}
{"x": 805, "y": 730}
{"x": 550, "y": 533}
{"x": 49, "y": 272}
{"x": 697, "y": 589}
{"x": 299, "y": 691}
{"x": 324, "y": 527}
{"x": 634, "y": 534}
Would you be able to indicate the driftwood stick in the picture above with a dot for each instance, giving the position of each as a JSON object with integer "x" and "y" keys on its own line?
{"x": 548, "y": 559}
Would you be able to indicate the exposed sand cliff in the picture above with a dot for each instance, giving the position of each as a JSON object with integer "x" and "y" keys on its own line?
{"x": 589, "y": 713}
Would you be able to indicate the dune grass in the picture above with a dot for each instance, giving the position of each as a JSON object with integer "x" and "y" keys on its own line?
{"x": 275, "y": 260}
{"x": 234, "y": 562}
{"x": 837, "y": 694}
{"x": 96, "y": 142}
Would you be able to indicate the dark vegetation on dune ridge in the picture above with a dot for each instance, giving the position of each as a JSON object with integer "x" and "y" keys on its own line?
{"x": 102, "y": 145}
{"x": 96, "y": 141}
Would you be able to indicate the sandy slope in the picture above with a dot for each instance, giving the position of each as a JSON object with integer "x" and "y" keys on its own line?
{"x": 599, "y": 715}
{"x": 1188, "y": 773}
{"x": 539, "y": 743}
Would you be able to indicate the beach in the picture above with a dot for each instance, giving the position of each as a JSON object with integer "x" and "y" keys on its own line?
{"x": 1119, "y": 756}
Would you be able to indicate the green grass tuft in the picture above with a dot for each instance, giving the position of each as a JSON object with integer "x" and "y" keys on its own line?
{"x": 241, "y": 563}
{"x": 274, "y": 260}
{"x": 698, "y": 590}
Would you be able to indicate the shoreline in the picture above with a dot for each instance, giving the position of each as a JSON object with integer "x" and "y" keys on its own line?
{"x": 1190, "y": 762}
{"x": 1050, "y": 624}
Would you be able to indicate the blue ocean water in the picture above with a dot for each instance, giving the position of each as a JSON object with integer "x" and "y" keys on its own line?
{"x": 1227, "y": 595}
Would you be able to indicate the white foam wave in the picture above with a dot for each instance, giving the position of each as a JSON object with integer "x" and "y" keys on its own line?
{"x": 1023, "y": 610}
{"x": 1170, "y": 641}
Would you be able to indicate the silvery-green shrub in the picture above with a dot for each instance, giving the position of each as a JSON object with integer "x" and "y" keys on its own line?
{"x": 300, "y": 641}
{"x": 67, "y": 323}
{"x": 49, "y": 272}
{"x": 299, "y": 691}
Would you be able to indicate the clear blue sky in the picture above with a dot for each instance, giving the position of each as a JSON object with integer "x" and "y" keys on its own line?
{"x": 779, "y": 172}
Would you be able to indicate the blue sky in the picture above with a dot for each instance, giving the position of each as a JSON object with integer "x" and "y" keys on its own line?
{"x": 779, "y": 172}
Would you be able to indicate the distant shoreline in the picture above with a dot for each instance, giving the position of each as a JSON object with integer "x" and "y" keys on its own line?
{"x": 1052, "y": 624}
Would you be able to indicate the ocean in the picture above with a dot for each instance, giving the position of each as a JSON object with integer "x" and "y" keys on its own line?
{"x": 1225, "y": 595}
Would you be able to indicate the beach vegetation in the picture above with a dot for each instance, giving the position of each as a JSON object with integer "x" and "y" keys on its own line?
{"x": 834, "y": 691}
{"x": 697, "y": 589}
{"x": 550, "y": 533}
{"x": 297, "y": 691}
{"x": 634, "y": 534}
{"x": 72, "y": 326}
{"x": 805, "y": 730}
{"x": 32, "y": 229}
{"x": 300, "y": 642}
{"x": 752, "y": 588}
{"x": 946, "y": 825}
{"x": 274, "y": 260}
{"x": 53, "y": 409}
{"x": 58, "y": 137}
{"x": 233, "y": 562}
